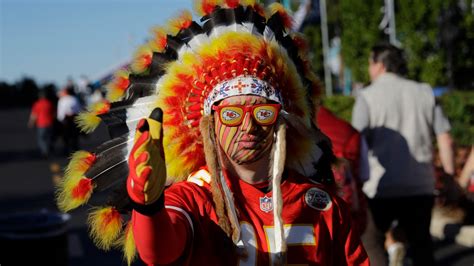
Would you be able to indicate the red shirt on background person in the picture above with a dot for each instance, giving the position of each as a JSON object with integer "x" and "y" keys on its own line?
{"x": 42, "y": 114}
{"x": 346, "y": 144}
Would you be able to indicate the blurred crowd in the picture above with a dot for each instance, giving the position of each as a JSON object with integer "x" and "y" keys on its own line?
{"x": 396, "y": 153}
{"x": 53, "y": 116}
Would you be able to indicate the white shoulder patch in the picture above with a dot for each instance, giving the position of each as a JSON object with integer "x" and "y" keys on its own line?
{"x": 318, "y": 199}
{"x": 200, "y": 177}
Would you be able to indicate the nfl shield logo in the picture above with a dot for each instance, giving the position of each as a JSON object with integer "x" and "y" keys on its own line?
{"x": 266, "y": 204}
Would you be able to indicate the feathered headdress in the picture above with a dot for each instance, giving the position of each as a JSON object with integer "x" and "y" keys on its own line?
{"x": 183, "y": 70}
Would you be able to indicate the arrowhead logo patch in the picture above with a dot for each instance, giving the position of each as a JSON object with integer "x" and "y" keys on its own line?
{"x": 318, "y": 199}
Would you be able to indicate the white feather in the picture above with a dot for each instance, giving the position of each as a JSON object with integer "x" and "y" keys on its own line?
{"x": 277, "y": 172}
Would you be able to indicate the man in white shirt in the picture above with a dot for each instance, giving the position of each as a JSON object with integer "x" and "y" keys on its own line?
{"x": 68, "y": 108}
{"x": 399, "y": 117}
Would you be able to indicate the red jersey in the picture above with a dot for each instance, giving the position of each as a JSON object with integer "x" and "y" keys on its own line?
{"x": 186, "y": 232}
{"x": 44, "y": 112}
{"x": 345, "y": 141}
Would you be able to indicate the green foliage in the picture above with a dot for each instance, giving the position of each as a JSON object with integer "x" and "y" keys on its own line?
{"x": 459, "y": 107}
{"x": 418, "y": 31}
{"x": 340, "y": 105}
{"x": 432, "y": 71}
{"x": 313, "y": 36}
{"x": 464, "y": 55}
{"x": 359, "y": 21}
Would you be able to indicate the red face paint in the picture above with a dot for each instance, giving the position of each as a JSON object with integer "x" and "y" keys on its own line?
{"x": 249, "y": 141}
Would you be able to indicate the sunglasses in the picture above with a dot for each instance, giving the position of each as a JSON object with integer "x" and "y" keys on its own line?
{"x": 233, "y": 115}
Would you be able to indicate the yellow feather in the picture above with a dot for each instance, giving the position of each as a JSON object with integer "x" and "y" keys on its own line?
{"x": 247, "y": 2}
{"x": 105, "y": 225}
{"x": 158, "y": 43}
{"x": 176, "y": 24}
{"x": 201, "y": 6}
{"x": 126, "y": 243}
{"x": 74, "y": 172}
{"x": 114, "y": 95}
{"x": 87, "y": 121}
{"x": 275, "y": 7}
{"x": 142, "y": 59}
{"x": 279, "y": 8}
{"x": 117, "y": 87}
{"x": 64, "y": 198}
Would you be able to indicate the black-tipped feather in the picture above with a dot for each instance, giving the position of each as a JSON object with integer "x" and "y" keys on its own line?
{"x": 111, "y": 176}
{"x": 158, "y": 63}
{"x": 173, "y": 44}
{"x": 141, "y": 86}
{"x": 187, "y": 34}
{"x": 111, "y": 164}
{"x": 124, "y": 115}
{"x": 253, "y": 17}
{"x": 224, "y": 17}
{"x": 275, "y": 23}
{"x": 119, "y": 198}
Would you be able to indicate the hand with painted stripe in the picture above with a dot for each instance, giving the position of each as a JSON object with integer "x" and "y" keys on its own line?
{"x": 147, "y": 169}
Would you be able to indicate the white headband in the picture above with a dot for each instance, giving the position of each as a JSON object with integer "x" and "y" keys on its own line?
{"x": 241, "y": 85}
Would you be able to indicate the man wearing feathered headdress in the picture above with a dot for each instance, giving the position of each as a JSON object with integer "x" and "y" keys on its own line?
{"x": 226, "y": 169}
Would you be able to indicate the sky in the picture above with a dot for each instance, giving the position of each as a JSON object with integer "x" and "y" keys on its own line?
{"x": 52, "y": 40}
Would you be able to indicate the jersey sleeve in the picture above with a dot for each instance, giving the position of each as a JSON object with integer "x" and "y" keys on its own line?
{"x": 360, "y": 114}
{"x": 364, "y": 170}
{"x": 440, "y": 121}
{"x": 161, "y": 238}
{"x": 166, "y": 237}
{"x": 350, "y": 250}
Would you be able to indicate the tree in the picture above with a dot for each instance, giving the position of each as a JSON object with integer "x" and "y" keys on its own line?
{"x": 437, "y": 37}
{"x": 359, "y": 22}
{"x": 312, "y": 31}
{"x": 27, "y": 91}
{"x": 463, "y": 59}
{"x": 419, "y": 32}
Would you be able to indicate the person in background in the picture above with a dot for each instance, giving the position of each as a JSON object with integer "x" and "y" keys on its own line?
{"x": 399, "y": 117}
{"x": 68, "y": 108}
{"x": 395, "y": 245}
{"x": 42, "y": 117}
{"x": 466, "y": 180}
{"x": 95, "y": 97}
{"x": 352, "y": 169}
{"x": 83, "y": 89}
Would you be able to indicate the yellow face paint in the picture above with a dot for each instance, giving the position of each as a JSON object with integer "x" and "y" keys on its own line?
{"x": 249, "y": 141}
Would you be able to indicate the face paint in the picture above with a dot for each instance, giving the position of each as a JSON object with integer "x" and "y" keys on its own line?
{"x": 247, "y": 142}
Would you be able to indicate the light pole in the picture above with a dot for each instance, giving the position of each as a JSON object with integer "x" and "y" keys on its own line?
{"x": 389, "y": 20}
{"x": 325, "y": 39}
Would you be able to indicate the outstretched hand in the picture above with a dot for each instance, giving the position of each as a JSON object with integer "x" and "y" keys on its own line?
{"x": 147, "y": 176}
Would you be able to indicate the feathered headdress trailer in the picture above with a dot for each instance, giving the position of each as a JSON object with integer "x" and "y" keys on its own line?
{"x": 236, "y": 48}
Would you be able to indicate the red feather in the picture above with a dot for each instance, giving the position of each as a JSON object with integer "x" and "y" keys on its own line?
{"x": 82, "y": 188}
{"x": 232, "y": 3}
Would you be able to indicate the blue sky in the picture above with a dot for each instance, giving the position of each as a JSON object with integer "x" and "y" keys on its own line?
{"x": 51, "y": 40}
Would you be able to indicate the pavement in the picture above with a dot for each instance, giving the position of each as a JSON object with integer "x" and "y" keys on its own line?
{"x": 27, "y": 188}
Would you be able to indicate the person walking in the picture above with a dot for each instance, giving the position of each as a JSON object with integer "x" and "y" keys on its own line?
{"x": 399, "y": 117}
{"x": 351, "y": 169}
{"x": 42, "y": 117}
{"x": 68, "y": 108}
